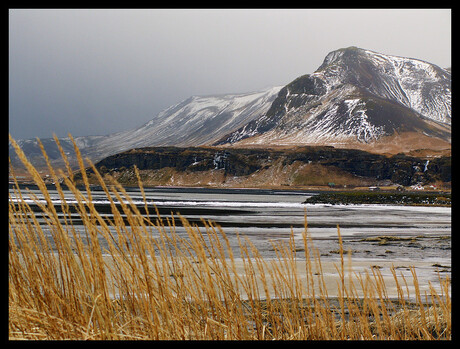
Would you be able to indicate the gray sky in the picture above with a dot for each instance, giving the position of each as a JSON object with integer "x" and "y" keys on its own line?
{"x": 95, "y": 72}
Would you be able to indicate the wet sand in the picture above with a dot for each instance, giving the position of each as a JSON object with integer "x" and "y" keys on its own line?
{"x": 331, "y": 278}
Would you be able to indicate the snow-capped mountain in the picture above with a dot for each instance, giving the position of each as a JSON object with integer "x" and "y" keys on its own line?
{"x": 356, "y": 95}
{"x": 195, "y": 121}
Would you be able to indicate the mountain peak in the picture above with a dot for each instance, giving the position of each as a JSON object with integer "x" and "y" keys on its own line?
{"x": 342, "y": 54}
{"x": 357, "y": 95}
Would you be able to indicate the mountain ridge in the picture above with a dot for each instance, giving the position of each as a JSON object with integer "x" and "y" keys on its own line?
{"x": 194, "y": 121}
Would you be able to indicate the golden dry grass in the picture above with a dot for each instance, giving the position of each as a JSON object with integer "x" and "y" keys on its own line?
{"x": 149, "y": 283}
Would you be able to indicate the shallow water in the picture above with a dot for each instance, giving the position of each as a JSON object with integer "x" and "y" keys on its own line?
{"x": 264, "y": 216}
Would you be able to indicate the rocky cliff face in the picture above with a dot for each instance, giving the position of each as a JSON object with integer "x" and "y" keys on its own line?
{"x": 356, "y": 95}
{"x": 399, "y": 169}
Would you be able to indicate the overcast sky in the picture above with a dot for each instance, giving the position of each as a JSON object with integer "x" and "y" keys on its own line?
{"x": 96, "y": 72}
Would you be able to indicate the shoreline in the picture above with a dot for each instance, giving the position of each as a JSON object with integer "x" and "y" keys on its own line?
{"x": 324, "y": 195}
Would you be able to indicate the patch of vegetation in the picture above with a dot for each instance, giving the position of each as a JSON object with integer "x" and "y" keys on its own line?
{"x": 389, "y": 198}
{"x": 317, "y": 174}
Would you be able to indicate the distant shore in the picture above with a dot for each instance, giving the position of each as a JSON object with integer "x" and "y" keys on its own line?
{"x": 439, "y": 198}
{"x": 323, "y": 195}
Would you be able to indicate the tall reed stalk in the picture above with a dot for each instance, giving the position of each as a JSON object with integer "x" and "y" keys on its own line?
{"x": 132, "y": 276}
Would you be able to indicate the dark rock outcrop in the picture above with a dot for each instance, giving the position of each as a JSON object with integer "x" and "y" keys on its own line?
{"x": 399, "y": 169}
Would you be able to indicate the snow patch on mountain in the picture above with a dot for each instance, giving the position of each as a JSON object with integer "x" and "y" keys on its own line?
{"x": 426, "y": 87}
